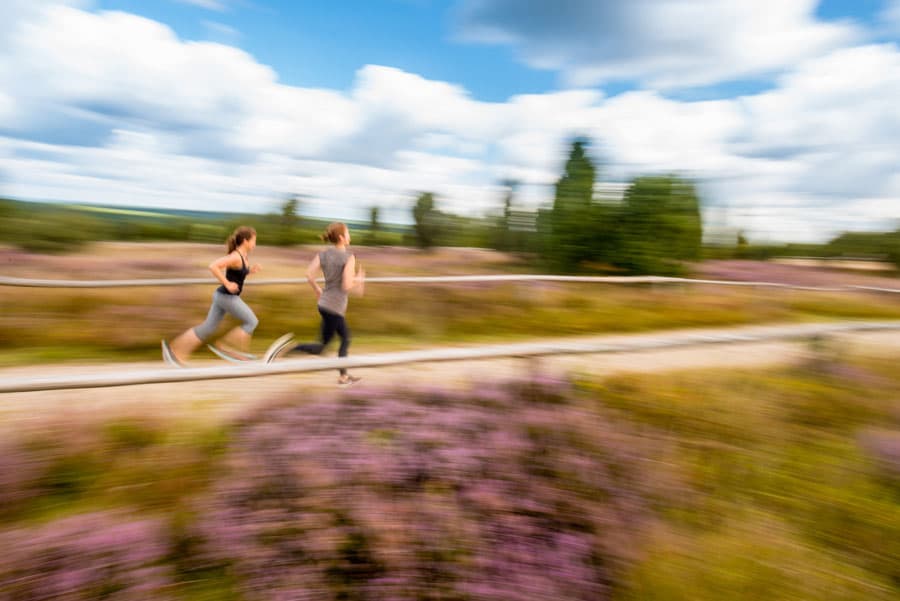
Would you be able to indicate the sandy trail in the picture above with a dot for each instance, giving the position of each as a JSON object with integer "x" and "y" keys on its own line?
{"x": 215, "y": 400}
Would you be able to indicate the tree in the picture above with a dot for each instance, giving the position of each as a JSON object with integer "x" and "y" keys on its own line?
{"x": 374, "y": 226}
{"x": 570, "y": 235}
{"x": 289, "y": 220}
{"x": 426, "y": 220}
{"x": 879, "y": 245}
{"x": 660, "y": 225}
{"x": 503, "y": 239}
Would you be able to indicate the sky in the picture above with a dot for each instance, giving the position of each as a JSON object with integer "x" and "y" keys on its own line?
{"x": 784, "y": 112}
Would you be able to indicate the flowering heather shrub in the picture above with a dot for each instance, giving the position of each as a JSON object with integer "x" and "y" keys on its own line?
{"x": 767, "y": 271}
{"x": 85, "y": 557}
{"x": 60, "y": 459}
{"x": 19, "y": 471}
{"x": 50, "y": 459}
{"x": 847, "y": 374}
{"x": 506, "y": 493}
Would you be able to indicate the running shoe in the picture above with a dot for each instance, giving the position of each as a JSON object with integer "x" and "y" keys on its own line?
{"x": 168, "y": 356}
{"x": 278, "y": 347}
{"x": 230, "y": 354}
{"x": 348, "y": 380}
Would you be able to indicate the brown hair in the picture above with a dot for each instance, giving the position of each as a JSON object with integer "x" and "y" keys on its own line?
{"x": 333, "y": 232}
{"x": 237, "y": 237}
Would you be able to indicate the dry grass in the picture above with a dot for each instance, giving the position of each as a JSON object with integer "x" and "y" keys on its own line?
{"x": 49, "y": 325}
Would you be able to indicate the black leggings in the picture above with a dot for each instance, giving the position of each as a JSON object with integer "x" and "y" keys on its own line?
{"x": 332, "y": 324}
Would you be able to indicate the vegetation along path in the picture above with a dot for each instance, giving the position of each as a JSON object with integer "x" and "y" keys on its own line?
{"x": 224, "y": 399}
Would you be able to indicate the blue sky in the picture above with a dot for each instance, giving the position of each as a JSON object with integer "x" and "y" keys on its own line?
{"x": 322, "y": 44}
{"x": 781, "y": 110}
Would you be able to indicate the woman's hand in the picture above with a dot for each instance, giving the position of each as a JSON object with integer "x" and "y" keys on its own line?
{"x": 231, "y": 287}
{"x": 360, "y": 284}
{"x": 255, "y": 268}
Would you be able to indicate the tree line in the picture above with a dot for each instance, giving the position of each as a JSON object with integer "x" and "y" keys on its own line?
{"x": 655, "y": 228}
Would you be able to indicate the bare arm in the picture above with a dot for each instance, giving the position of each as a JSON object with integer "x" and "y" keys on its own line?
{"x": 312, "y": 272}
{"x": 218, "y": 267}
{"x": 350, "y": 279}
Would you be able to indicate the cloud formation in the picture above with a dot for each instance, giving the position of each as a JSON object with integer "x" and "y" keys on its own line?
{"x": 217, "y": 5}
{"x": 660, "y": 43}
{"x": 114, "y": 108}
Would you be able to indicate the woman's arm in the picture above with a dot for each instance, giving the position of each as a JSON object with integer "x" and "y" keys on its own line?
{"x": 312, "y": 272}
{"x": 350, "y": 279}
{"x": 219, "y": 266}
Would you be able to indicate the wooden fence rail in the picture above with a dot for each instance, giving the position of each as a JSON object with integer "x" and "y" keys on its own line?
{"x": 649, "y": 279}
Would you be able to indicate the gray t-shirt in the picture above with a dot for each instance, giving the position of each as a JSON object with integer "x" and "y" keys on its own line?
{"x": 334, "y": 297}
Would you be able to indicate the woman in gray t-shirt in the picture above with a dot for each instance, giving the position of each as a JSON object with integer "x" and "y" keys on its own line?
{"x": 338, "y": 265}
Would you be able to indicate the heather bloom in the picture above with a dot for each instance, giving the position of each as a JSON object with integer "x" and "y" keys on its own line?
{"x": 768, "y": 271}
{"x": 848, "y": 374}
{"x": 32, "y": 466}
{"x": 86, "y": 557}
{"x": 511, "y": 494}
{"x": 19, "y": 470}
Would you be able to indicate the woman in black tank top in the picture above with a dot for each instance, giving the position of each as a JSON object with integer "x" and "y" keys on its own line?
{"x": 236, "y": 275}
{"x": 231, "y": 271}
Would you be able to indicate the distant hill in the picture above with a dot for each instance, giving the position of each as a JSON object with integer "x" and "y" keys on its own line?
{"x": 115, "y": 213}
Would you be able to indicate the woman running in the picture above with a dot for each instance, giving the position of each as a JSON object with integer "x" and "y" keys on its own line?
{"x": 230, "y": 270}
{"x": 338, "y": 265}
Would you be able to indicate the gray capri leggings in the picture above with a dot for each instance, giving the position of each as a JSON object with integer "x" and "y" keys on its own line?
{"x": 231, "y": 304}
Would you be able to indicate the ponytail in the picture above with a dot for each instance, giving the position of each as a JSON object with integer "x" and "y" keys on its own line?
{"x": 333, "y": 232}
{"x": 237, "y": 237}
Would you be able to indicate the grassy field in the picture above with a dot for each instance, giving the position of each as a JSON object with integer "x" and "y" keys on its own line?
{"x": 796, "y": 474}
{"x": 766, "y": 484}
{"x": 47, "y": 325}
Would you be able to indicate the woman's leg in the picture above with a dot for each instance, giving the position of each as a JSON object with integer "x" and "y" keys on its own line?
{"x": 187, "y": 342}
{"x": 344, "y": 332}
{"x": 329, "y": 327}
{"x": 239, "y": 337}
{"x": 332, "y": 324}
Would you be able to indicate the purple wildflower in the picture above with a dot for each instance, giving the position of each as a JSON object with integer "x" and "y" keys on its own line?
{"x": 426, "y": 494}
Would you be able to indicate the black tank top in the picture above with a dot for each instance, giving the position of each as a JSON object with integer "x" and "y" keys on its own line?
{"x": 237, "y": 276}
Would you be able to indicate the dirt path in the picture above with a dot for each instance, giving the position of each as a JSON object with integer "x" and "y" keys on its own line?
{"x": 216, "y": 400}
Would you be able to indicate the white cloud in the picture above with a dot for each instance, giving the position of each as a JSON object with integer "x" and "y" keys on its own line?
{"x": 129, "y": 64}
{"x": 222, "y": 33}
{"x": 217, "y": 5}
{"x": 836, "y": 117}
{"x": 115, "y": 69}
{"x": 890, "y": 15}
{"x": 17, "y": 12}
{"x": 663, "y": 43}
{"x": 648, "y": 132}
{"x": 7, "y": 107}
